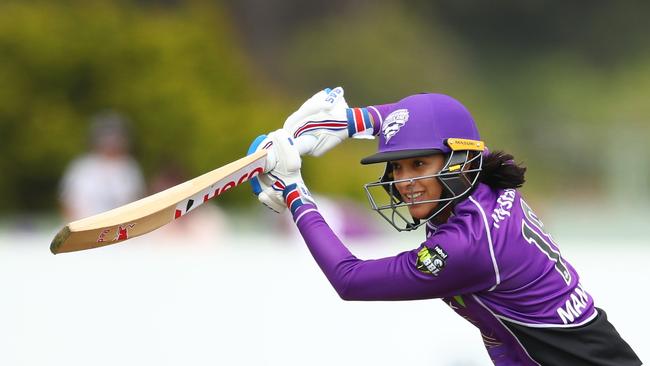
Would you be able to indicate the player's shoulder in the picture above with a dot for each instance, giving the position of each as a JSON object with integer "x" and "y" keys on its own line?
{"x": 481, "y": 201}
{"x": 466, "y": 234}
{"x": 469, "y": 218}
{"x": 488, "y": 208}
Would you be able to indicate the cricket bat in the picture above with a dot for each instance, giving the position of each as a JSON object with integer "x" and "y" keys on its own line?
{"x": 152, "y": 212}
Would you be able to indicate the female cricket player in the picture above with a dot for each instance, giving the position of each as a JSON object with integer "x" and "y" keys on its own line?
{"x": 486, "y": 253}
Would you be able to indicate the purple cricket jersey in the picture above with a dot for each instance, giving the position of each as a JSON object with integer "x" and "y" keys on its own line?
{"x": 492, "y": 262}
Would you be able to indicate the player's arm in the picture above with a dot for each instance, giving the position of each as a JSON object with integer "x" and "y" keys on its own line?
{"x": 440, "y": 267}
{"x": 327, "y": 118}
{"x": 460, "y": 267}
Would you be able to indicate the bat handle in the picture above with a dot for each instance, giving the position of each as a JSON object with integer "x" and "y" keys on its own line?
{"x": 305, "y": 143}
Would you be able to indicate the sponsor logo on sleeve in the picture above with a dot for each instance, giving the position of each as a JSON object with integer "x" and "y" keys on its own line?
{"x": 394, "y": 122}
{"x": 431, "y": 260}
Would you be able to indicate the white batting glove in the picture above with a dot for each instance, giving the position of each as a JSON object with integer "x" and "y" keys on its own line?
{"x": 282, "y": 186}
{"x": 325, "y": 116}
{"x": 262, "y": 183}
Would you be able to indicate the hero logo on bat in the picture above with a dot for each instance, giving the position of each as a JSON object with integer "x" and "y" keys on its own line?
{"x": 214, "y": 190}
{"x": 394, "y": 122}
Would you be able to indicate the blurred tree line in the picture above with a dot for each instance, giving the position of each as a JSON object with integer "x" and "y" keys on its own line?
{"x": 563, "y": 86}
{"x": 175, "y": 71}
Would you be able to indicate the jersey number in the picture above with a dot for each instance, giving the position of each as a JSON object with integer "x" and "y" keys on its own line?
{"x": 532, "y": 237}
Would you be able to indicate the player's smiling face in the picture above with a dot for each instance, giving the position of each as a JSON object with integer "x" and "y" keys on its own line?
{"x": 421, "y": 189}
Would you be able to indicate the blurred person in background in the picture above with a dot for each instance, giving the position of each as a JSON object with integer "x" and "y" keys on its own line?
{"x": 486, "y": 254}
{"x": 107, "y": 176}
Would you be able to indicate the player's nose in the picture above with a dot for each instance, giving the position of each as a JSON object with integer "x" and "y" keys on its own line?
{"x": 405, "y": 186}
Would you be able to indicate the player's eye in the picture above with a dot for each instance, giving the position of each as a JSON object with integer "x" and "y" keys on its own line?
{"x": 418, "y": 163}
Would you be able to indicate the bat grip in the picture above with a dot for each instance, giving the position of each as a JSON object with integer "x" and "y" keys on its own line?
{"x": 305, "y": 143}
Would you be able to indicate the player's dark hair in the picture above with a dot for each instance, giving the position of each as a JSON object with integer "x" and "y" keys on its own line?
{"x": 501, "y": 171}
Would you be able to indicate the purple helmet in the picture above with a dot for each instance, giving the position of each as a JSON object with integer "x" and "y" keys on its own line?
{"x": 422, "y": 125}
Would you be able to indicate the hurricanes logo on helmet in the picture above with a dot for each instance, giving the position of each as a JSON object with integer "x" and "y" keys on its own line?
{"x": 394, "y": 122}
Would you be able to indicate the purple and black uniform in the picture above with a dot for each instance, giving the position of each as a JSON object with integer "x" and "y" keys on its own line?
{"x": 493, "y": 263}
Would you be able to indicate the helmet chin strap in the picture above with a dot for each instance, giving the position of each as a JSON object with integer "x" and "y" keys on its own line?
{"x": 412, "y": 225}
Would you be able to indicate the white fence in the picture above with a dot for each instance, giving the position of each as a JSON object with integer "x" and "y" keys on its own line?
{"x": 252, "y": 300}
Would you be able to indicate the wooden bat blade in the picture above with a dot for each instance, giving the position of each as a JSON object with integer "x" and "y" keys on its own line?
{"x": 152, "y": 212}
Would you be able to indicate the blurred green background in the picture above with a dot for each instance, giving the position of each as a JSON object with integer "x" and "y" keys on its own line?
{"x": 563, "y": 86}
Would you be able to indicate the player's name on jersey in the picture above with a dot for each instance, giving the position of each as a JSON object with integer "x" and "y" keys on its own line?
{"x": 502, "y": 211}
{"x": 574, "y": 306}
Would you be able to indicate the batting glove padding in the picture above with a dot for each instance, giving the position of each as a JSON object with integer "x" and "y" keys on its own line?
{"x": 283, "y": 174}
{"x": 327, "y": 117}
